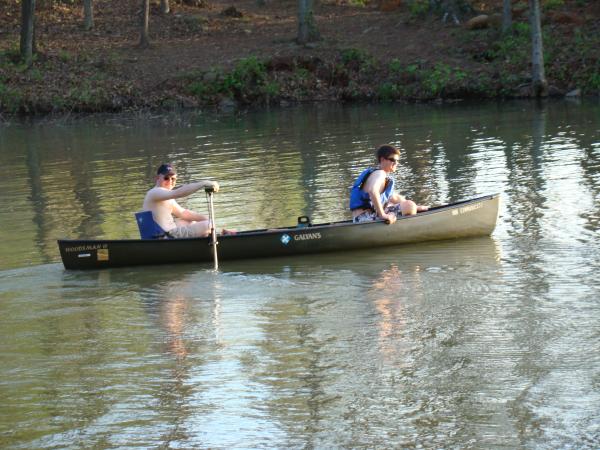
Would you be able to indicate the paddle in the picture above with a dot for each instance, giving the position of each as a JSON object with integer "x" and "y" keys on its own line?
{"x": 213, "y": 230}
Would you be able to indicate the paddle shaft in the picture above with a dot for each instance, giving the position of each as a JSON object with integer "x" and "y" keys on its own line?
{"x": 213, "y": 227}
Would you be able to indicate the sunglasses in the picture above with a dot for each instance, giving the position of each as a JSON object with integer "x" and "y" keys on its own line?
{"x": 393, "y": 160}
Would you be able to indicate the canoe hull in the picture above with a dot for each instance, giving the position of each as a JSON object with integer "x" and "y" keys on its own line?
{"x": 476, "y": 217}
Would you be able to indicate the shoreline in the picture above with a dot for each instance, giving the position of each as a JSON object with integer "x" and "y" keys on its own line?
{"x": 203, "y": 59}
{"x": 176, "y": 115}
{"x": 253, "y": 84}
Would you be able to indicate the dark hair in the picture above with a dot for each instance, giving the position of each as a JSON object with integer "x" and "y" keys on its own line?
{"x": 165, "y": 169}
{"x": 385, "y": 151}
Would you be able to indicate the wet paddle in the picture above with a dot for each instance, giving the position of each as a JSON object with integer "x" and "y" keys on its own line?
{"x": 213, "y": 228}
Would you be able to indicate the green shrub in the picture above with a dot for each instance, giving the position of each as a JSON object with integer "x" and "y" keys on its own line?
{"x": 395, "y": 66}
{"x": 248, "y": 81}
{"x": 388, "y": 91}
{"x": 412, "y": 68}
{"x": 10, "y": 100}
{"x": 418, "y": 8}
{"x": 199, "y": 89}
{"x": 10, "y": 56}
{"x": 247, "y": 74}
{"x": 65, "y": 56}
{"x": 271, "y": 89}
{"x": 302, "y": 74}
{"x": 356, "y": 56}
{"x": 552, "y": 4}
{"x": 513, "y": 47}
{"x": 441, "y": 77}
{"x": 593, "y": 83}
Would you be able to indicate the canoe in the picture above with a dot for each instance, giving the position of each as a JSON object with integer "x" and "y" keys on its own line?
{"x": 473, "y": 217}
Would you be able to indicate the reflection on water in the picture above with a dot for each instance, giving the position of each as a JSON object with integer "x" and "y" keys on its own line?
{"x": 477, "y": 343}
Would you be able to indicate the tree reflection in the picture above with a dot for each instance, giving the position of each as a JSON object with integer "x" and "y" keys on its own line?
{"x": 38, "y": 201}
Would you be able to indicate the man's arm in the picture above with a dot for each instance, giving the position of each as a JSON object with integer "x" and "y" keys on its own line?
{"x": 373, "y": 188}
{"x": 186, "y": 214}
{"x": 159, "y": 195}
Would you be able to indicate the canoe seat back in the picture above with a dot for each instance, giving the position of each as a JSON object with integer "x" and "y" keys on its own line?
{"x": 149, "y": 229}
{"x": 304, "y": 221}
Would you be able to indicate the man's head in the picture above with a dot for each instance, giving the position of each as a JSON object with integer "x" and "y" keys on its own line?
{"x": 166, "y": 175}
{"x": 388, "y": 157}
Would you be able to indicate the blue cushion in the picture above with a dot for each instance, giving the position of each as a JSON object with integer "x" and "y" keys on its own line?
{"x": 149, "y": 229}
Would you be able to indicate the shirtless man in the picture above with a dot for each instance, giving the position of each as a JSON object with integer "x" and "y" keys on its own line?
{"x": 161, "y": 201}
{"x": 373, "y": 196}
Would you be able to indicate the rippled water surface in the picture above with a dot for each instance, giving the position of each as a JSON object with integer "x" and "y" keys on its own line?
{"x": 480, "y": 343}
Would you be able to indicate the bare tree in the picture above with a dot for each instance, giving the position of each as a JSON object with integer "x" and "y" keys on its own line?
{"x": 88, "y": 14}
{"x": 307, "y": 27}
{"x": 144, "y": 39}
{"x": 164, "y": 7}
{"x": 27, "y": 44}
{"x": 538, "y": 77}
{"x": 506, "y": 15}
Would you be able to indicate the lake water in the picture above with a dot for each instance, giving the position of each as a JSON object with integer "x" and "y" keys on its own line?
{"x": 480, "y": 343}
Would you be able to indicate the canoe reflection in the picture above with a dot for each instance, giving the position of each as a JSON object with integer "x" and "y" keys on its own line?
{"x": 424, "y": 256}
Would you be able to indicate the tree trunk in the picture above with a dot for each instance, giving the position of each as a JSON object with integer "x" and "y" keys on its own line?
{"x": 27, "y": 47}
{"x": 506, "y": 15}
{"x": 538, "y": 77}
{"x": 164, "y": 7}
{"x": 144, "y": 39}
{"x": 307, "y": 27}
{"x": 88, "y": 14}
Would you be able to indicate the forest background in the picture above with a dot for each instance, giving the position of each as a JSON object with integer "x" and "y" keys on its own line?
{"x": 228, "y": 54}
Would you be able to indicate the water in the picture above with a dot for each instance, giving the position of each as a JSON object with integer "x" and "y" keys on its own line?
{"x": 479, "y": 343}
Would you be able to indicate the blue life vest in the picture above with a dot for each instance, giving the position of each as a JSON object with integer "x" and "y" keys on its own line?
{"x": 361, "y": 199}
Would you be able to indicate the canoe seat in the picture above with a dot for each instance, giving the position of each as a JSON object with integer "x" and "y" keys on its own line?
{"x": 304, "y": 221}
{"x": 149, "y": 229}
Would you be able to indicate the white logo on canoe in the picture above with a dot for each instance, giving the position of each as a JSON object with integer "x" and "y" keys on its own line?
{"x": 307, "y": 236}
{"x": 466, "y": 209}
{"x": 85, "y": 248}
{"x": 286, "y": 238}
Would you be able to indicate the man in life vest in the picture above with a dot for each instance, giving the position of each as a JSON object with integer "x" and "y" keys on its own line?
{"x": 161, "y": 201}
{"x": 373, "y": 196}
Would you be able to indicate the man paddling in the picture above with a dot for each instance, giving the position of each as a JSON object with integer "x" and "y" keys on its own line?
{"x": 161, "y": 201}
{"x": 373, "y": 196}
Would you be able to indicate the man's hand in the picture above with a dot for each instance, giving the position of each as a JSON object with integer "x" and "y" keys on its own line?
{"x": 212, "y": 185}
{"x": 389, "y": 218}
